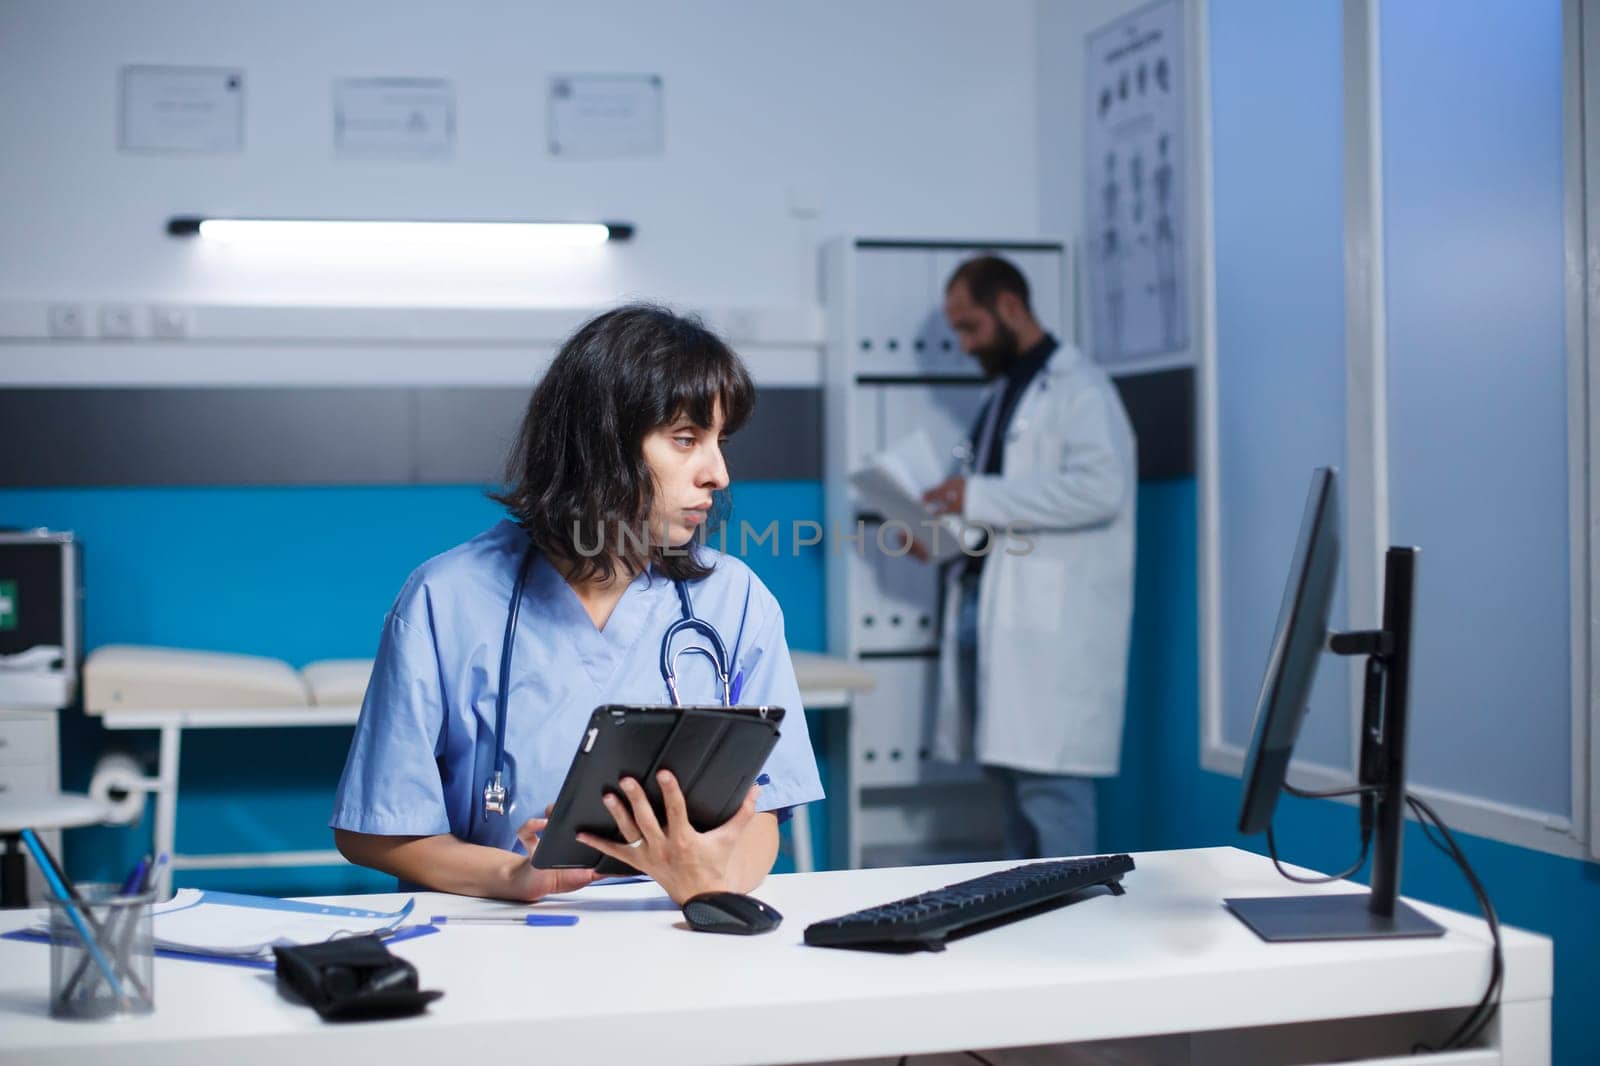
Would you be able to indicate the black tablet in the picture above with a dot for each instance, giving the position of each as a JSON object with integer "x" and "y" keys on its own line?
{"x": 715, "y": 753}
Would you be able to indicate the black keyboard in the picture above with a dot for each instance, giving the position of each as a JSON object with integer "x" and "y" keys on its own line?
{"x": 926, "y": 920}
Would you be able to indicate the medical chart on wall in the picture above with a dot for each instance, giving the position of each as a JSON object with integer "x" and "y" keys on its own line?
{"x": 196, "y": 110}
{"x": 394, "y": 118}
{"x": 1134, "y": 225}
{"x": 606, "y": 115}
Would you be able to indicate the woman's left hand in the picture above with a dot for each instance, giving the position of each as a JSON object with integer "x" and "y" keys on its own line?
{"x": 683, "y": 861}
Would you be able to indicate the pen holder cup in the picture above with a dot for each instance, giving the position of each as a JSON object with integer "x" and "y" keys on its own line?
{"x": 111, "y": 976}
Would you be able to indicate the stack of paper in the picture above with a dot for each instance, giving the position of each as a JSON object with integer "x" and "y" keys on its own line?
{"x": 892, "y": 483}
{"x": 225, "y": 923}
{"x": 202, "y": 922}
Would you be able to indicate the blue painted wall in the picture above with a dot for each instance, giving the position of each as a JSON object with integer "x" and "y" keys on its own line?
{"x": 299, "y": 574}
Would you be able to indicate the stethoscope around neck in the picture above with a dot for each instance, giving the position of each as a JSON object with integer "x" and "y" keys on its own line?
{"x": 494, "y": 793}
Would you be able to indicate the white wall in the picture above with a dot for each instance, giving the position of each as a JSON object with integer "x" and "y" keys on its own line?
{"x": 900, "y": 117}
{"x": 1062, "y": 26}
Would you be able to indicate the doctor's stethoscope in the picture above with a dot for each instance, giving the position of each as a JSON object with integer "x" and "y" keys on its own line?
{"x": 494, "y": 793}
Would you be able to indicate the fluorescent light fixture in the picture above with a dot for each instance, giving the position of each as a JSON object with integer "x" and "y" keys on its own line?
{"x": 374, "y": 233}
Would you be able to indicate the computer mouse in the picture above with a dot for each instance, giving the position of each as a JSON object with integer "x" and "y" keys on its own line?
{"x": 729, "y": 912}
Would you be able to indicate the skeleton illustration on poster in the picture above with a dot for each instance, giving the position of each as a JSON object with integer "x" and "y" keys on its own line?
{"x": 1134, "y": 186}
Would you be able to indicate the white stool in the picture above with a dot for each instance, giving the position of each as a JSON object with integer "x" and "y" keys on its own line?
{"x": 37, "y": 810}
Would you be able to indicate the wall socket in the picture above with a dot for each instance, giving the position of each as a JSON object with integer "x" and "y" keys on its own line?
{"x": 117, "y": 322}
{"x": 68, "y": 321}
{"x": 169, "y": 323}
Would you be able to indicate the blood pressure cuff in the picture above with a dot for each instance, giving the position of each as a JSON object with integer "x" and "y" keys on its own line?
{"x": 351, "y": 979}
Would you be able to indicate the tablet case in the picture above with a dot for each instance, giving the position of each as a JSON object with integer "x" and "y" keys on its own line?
{"x": 352, "y": 979}
{"x": 715, "y": 753}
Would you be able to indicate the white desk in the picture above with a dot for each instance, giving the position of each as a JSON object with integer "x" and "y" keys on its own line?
{"x": 629, "y": 984}
{"x": 825, "y": 683}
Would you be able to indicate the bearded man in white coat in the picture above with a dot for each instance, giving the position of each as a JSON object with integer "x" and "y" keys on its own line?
{"x": 1036, "y": 623}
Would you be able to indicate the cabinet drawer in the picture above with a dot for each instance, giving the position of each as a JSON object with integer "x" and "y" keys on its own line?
{"x": 27, "y": 777}
{"x": 27, "y": 740}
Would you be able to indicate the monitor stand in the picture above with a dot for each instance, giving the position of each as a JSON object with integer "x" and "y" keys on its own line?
{"x": 1378, "y": 913}
{"x": 1348, "y": 916}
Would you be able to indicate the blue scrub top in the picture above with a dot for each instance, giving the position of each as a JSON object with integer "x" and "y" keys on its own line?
{"x": 424, "y": 744}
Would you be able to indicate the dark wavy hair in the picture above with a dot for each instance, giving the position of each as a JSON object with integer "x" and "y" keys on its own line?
{"x": 577, "y": 471}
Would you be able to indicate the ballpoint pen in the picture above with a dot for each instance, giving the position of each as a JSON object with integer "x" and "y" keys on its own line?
{"x": 504, "y": 919}
{"x": 128, "y": 918}
{"x": 151, "y": 872}
{"x": 58, "y": 886}
{"x": 134, "y": 884}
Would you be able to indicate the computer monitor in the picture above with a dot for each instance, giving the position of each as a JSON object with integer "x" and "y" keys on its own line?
{"x": 1301, "y": 636}
{"x": 1297, "y": 646}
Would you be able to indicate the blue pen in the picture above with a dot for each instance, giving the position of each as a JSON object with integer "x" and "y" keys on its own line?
{"x": 151, "y": 872}
{"x": 133, "y": 884}
{"x": 59, "y": 888}
{"x": 736, "y": 688}
{"x": 505, "y": 919}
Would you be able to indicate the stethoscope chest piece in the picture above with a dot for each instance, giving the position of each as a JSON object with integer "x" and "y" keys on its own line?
{"x": 495, "y": 797}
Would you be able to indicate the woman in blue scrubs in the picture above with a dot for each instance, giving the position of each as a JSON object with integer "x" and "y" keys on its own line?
{"x": 618, "y": 465}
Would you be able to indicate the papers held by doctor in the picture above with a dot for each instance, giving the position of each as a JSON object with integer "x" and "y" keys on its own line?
{"x": 892, "y": 483}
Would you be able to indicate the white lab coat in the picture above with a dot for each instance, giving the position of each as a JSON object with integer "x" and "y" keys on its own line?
{"x": 1053, "y": 625}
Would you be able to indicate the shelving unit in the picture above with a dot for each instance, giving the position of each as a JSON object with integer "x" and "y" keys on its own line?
{"x": 892, "y": 365}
